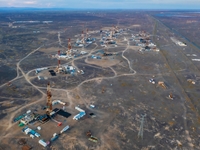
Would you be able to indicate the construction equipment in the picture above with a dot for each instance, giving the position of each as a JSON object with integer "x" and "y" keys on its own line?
{"x": 103, "y": 90}
{"x": 93, "y": 139}
{"x": 170, "y": 96}
{"x": 89, "y": 134}
{"x": 49, "y": 102}
{"x": 191, "y": 81}
{"x": 162, "y": 84}
{"x": 9, "y": 83}
{"x": 90, "y": 137}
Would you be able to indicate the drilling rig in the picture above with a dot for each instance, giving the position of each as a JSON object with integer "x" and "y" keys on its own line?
{"x": 57, "y": 68}
{"x": 87, "y": 35}
{"x": 82, "y": 40}
{"x": 69, "y": 48}
{"x": 49, "y": 101}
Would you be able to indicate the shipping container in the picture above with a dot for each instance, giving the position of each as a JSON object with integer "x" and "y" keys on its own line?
{"x": 37, "y": 134}
{"x": 64, "y": 129}
{"x": 42, "y": 143}
{"x": 54, "y": 138}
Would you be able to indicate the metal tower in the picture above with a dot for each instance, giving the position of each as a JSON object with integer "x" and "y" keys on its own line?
{"x": 49, "y": 102}
{"x": 140, "y": 133}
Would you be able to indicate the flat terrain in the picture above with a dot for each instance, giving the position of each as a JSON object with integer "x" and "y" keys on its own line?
{"x": 118, "y": 85}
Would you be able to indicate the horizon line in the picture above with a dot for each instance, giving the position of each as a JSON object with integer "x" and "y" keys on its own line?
{"x": 99, "y": 8}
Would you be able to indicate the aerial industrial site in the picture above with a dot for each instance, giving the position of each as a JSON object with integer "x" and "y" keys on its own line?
{"x": 97, "y": 80}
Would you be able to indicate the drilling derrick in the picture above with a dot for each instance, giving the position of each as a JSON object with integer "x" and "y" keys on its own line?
{"x": 82, "y": 40}
{"x": 69, "y": 48}
{"x": 116, "y": 29}
{"x": 57, "y": 68}
{"x": 49, "y": 102}
{"x": 87, "y": 34}
{"x": 113, "y": 29}
{"x": 59, "y": 59}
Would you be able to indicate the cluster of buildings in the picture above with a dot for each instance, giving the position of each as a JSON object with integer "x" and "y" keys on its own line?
{"x": 108, "y": 37}
{"x": 31, "y": 132}
{"x": 142, "y": 40}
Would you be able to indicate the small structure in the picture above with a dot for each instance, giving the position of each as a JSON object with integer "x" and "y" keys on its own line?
{"x": 59, "y": 124}
{"x": 27, "y": 130}
{"x": 92, "y": 115}
{"x": 37, "y": 134}
{"x": 40, "y": 69}
{"x": 43, "y": 118}
{"x": 28, "y": 118}
{"x": 32, "y": 136}
{"x": 80, "y": 115}
{"x": 90, "y": 40}
{"x": 83, "y": 52}
{"x": 21, "y": 124}
{"x": 43, "y": 143}
{"x": 28, "y": 112}
{"x": 19, "y": 117}
{"x": 52, "y": 72}
{"x": 69, "y": 69}
{"x": 64, "y": 129}
{"x": 62, "y": 113}
{"x": 82, "y": 72}
{"x": 92, "y": 106}
{"x": 177, "y": 42}
{"x": 79, "y": 109}
{"x": 55, "y": 137}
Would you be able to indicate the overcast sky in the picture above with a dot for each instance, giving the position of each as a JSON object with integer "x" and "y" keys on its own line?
{"x": 107, "y": 4}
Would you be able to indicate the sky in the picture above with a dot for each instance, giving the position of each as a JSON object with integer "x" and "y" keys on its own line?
{"x": 104, "y": 4}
